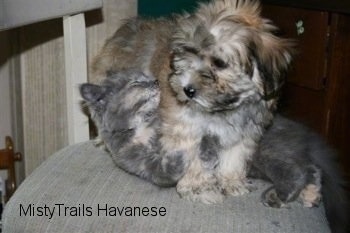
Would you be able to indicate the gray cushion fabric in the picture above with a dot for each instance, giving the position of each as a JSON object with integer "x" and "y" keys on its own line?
{"x": 81, "y": 177}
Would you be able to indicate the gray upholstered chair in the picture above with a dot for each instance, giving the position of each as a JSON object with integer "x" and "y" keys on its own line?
{"x": 81, "y": 178}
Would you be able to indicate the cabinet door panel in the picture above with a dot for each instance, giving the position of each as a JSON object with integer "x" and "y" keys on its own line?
{"x": 310, "y": 29}
{"x": 304, "y": 105}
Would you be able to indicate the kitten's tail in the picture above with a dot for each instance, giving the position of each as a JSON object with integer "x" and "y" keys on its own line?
{"x": 333, "y": 192}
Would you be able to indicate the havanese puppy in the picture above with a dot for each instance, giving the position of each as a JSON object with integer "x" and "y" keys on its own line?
{"x": 219, "y": 71}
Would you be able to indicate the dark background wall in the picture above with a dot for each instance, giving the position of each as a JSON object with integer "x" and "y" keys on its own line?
{"x": 157, "y": 8}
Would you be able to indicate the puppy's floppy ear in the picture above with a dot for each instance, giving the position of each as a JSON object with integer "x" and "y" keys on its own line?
{"x": 274, "y": 56}
{"x": 91, "y": 92}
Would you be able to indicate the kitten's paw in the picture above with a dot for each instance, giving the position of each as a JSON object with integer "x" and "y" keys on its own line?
{"x": 205, "y": 193}
{"x": 270, "y": 198}
{"x": 99, "y": 143}
{"x": 174, "y": 164}
{"x": 311, "y": 195}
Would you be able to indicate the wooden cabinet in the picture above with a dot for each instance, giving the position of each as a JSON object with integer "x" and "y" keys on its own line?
{"x": 304, "y": 96}
{"x": 310, "y": 29}
{"x": 318, "y": 85}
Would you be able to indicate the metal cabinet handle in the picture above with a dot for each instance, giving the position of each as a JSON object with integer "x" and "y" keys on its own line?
{"x": 300, "y": 27}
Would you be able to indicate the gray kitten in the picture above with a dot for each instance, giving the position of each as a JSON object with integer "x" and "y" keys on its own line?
{"x": 300, "y": 164}
{"x": 125, "y": 110}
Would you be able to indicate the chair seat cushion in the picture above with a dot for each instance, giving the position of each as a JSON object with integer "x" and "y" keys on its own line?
{"x": 79, "y": 189}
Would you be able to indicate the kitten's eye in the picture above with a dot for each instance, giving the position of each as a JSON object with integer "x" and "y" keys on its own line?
{"x": 219, "y": 63}
{"x": 101, "y": 101}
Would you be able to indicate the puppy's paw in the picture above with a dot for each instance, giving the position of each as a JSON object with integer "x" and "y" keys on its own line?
{"x": 270, "y": 198}
{"x": 208, "y": 193}
{"x": 311, "y": 195}
{"x": 236, "y": 187}
{"x": 206, "y": 196}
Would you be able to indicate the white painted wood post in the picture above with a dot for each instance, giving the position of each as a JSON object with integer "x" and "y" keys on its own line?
{"x": 76, "y": 74}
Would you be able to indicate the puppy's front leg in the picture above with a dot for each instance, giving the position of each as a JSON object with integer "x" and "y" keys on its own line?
{"x": 200, "y": 182}
{"x": 232, "y": 168}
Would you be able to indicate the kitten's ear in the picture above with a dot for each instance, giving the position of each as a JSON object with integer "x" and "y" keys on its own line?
{"x": 91, "y": 92}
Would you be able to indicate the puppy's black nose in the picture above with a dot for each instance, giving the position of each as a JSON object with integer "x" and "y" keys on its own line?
{"x": 190, "y": 91}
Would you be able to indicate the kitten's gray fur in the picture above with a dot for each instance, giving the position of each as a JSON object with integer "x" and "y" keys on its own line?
{"x": 124, "y": 108}
{"x": 300, "y": 164}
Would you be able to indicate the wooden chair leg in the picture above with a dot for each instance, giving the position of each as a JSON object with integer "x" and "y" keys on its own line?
{"x": 7, "y": 161}
{"x": 76, "y": 74}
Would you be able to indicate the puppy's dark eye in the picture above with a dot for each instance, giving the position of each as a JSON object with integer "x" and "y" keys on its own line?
{"x": 191, "y": 50}
{"x": 219, "y": 63}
